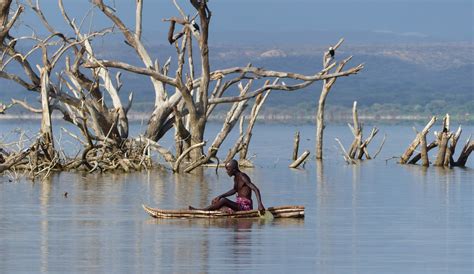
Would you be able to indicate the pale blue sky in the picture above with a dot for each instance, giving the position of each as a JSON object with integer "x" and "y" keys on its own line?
{"x": 448, "y": 20}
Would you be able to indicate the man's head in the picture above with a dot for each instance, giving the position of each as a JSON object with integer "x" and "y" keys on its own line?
{"x": 231, "y": 167}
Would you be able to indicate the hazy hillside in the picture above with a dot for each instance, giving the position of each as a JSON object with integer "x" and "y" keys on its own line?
{"x": 412, "y": 78}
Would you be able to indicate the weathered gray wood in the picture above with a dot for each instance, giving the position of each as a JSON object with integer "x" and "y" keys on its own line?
{"x": 320, "y": 121}
{"x": 409, "y": 152}
{"x": 357, "y": 132}
{"x": 296, "y": 145}
{"x": 466, "y": 151}
{"x": 380, "y": 146}
{"x": 424, "y": 151}
{"x": 300, "y": 159}
{"x": 417, "y": 157}
{"x": 88, "y": 95}
{"x": 348, "y": 159}
{"x": 184, "y": 154}
{"x": 445, "y": 136}
{"x": 448, "y": 159}
{"x": 46, "y": 125}
{"x": 259, "y": 101}
{"x": 327, "y": 85}
{"x": 363, "y": 148}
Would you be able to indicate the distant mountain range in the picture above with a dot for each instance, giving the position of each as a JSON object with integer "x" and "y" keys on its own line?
{"x": 419, "y": 78}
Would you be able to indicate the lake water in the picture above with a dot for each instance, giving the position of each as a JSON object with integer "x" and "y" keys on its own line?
{"x": 376, "y": 217}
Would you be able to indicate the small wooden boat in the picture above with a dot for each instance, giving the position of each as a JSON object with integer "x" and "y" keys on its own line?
{"x": 278, "y": 212}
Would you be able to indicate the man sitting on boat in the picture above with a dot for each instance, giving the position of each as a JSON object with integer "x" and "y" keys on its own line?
{"x": 242, "y": 186}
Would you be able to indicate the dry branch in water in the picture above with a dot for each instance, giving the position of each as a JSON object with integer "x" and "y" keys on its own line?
{"x": 300, "y": 159}
{"x": 359, "y": 148}
{"x": 446, "y": 142}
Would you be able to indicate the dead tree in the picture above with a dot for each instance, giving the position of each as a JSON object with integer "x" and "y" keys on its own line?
{"x": 359, "y": 149}
{"x": 194, "y": 90}
{"x": 328, "y": 64}
{"x": 446, "y": 142}
{"x": 77, "y": 96}
{"x": 79, "y": 88}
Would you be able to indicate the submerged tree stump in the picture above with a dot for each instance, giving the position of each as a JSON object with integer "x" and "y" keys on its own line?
{"x": 300, "y": 160}
{"x": 446, "y": 142}
{"x": 359, "y": 149}
{"x": 296, "y": 145}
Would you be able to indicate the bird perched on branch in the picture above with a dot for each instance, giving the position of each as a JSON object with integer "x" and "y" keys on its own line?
{"x": 195, "y": 26}
{"x": 332, "y": 52}
{"x": 329, "y": 56}
{"x": 195, "y": 29}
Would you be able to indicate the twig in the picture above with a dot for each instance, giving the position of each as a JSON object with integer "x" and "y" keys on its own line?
{"x": 348, "y": 159}
{"x": 381, "y": 145}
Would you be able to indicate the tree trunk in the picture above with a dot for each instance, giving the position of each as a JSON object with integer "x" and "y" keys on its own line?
{"x": 198, "y": 125}
{"x": 448, "y": 159}
{"x": 424, "y": 152}
{"x": 466, "y": 151}
{"x": 445, "y": 136}
{"x": 357, "y": 132}
{"x": 154, "y": 129}
{"x": 320, "y": 122}
{"x": 46, "y": 128}
{"x": 409, "y": 152}
{"x": 417, "y": 157}
{"x": 296, "y": 145}
{"x": 4, "y": 11}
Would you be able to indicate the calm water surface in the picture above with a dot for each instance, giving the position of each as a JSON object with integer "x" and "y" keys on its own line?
{"x": 376, "y": 217}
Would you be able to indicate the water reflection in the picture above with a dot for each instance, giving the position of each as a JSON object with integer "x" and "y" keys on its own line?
{"x": 46, "y": 185}
{"x": 370, "y": 218}
{"x": 215, "y": 243}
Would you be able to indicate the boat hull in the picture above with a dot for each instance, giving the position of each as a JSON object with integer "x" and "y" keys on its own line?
{"x": 278, "y": 212}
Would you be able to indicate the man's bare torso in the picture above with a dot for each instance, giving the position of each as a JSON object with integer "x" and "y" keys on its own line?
{"x": 240, "y": 185}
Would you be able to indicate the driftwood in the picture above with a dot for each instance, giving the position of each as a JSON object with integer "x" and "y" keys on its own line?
{"x": 277, "y": 212}
{"x": 11, "y": 160}
{"x": 300, "y": 160}
{"x": 446, "y": 149}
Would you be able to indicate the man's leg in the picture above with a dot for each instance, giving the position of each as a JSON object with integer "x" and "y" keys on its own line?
{"x": 221, "y": 203}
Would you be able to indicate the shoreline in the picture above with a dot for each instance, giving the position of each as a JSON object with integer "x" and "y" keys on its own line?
{"x": 278, "y": 118}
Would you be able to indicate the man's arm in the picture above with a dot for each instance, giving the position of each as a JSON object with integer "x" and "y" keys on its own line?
{"x": 255, "y": 189}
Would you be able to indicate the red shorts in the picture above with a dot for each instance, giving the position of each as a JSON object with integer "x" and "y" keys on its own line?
{"x": 244, "y": 204}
